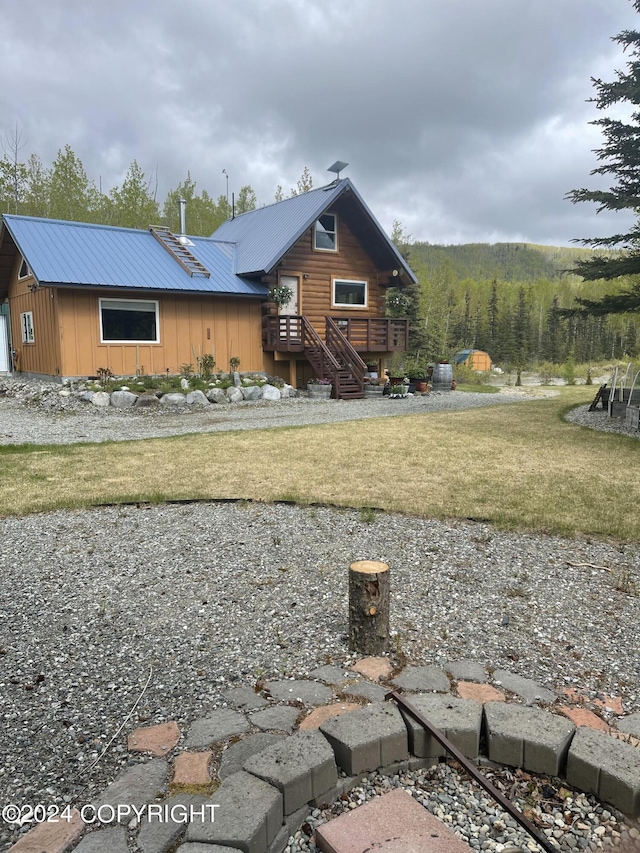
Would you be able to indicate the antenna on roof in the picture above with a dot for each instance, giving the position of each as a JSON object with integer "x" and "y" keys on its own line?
{"x": 337, "y": 167}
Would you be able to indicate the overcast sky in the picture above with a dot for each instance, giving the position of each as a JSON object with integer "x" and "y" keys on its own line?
{"x": 465, "y": 119}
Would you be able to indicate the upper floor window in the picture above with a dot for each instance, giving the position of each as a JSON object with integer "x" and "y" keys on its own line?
{"x": 129, "y": 321}
{"x": 325, "y": 233}
{"x": 24, "y": 270}
{"x": 349, "y": 294}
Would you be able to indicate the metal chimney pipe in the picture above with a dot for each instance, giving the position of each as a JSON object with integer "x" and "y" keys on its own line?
{"x": 183, "y": 226}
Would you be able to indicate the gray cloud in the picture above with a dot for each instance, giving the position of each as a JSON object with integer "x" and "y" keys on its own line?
{"x": 466, "y": 120}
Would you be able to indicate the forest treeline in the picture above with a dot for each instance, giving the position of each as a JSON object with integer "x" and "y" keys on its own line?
{"x": 505, "y": 298}
{"x": 512, "y": 300}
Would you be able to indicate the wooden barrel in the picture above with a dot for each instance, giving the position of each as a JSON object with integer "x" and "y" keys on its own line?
{"x": 442, "y": 377}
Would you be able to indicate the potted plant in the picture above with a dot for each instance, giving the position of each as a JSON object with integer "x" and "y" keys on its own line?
{"x": 417, "y": 374}
{"x": 279, "y": 295}
{"x": 319, "y": 388}
{"x": 396, "y": 391}
{"x": 373, "y": 387}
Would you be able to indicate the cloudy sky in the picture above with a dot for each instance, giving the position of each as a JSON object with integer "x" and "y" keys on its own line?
{"x": 465, "y": 119}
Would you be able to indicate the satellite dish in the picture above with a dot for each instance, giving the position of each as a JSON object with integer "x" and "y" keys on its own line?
{"x": 337, "y": 167}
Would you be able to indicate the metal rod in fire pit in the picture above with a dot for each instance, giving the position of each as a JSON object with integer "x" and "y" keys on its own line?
{"x": 473, "y": 771}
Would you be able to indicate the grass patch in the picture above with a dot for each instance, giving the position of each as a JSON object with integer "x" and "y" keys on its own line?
{"x": 478, "y": 389}
{"x": 518, "y": 466}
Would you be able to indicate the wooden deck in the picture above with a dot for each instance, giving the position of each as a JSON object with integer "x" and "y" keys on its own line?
{"x": 365, "y": 334}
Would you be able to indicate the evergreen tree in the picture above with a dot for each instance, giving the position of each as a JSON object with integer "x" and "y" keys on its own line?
{"x": 492, "y": 323}
{"x": 553, "y": 339}
{"x": 620, "y": 157}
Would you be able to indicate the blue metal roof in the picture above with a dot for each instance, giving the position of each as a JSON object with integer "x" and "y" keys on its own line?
{"x": 263, "y": 236}
{"x": 77, "y": 253}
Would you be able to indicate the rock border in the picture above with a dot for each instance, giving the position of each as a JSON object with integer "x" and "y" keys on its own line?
{"x": 282, "y": 778}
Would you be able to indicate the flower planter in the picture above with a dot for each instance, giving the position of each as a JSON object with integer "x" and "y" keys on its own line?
{"x": 422, "y": 386}
{"x": 319, "y": 392}
{"x": 373, "y": 390}
{"x": 398, "y": 392}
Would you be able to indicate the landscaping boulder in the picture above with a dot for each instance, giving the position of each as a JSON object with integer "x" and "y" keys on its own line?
{"x": 236, "y": 379}
{"x": 184, "y": 384}
{"x": 101, "y": 398}
{"x": 217, "y": 395}
{"x": 173, "y": 399}
{"x": 123, "y": 399}
{"x": 234, "y": 394}
{"x": 197, "y": 398}
{"x": 252, "y": 392}
{"x": 270, "y": 392}
{"x": 147, "y": 401}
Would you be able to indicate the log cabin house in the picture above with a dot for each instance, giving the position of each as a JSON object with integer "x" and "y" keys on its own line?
{"x": 82, "y": 297}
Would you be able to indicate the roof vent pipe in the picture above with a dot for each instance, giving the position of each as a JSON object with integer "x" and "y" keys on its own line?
{"x": 182, "y": 236}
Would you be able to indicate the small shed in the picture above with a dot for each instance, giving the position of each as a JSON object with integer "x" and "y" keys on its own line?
{"x": 476, "y": 359}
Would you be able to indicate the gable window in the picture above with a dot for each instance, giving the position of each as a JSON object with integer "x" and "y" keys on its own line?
{"x": 348, "y": 293}
{"x": 24, "y": 271}
{"x": 129, "y": 321}
{"x": 26, "y": 324}
{"x": 325, "y": 233}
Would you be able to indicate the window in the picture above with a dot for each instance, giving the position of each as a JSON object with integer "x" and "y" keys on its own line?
{"x": 24, "y": 271}
{"x": 351, "y": 294}
{"x": 26, "y": 324}
{"x": 128, "y": 321}
{"x": 325, "y": 233}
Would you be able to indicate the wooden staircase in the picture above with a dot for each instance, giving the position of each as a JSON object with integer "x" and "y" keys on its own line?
{"x": 334, "y": 359}
{"x": 179, "y": 251}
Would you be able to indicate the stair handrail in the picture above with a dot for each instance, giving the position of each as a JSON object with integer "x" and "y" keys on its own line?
{"x": 310, "y": 334}
{"x": 346, "y": 349}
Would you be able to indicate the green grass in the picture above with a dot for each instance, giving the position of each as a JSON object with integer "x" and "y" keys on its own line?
{"x": 518, "y": 466}
{"x": 477, "y": 388}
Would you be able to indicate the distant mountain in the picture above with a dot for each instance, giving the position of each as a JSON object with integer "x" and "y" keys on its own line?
{"x": 502, "y": 261}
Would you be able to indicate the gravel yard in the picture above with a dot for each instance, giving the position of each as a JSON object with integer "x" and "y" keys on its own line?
{"x": 64, "y": 420}
{"x": 209, "y": 596}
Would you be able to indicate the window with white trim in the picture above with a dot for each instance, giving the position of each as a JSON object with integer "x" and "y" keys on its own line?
{"x": 349, "y": 294}
{"x": 24, "y": 271}
{"x": 26, "y": 324}
{"x": 129, "y": 321}
{"x": 325, "y": 233}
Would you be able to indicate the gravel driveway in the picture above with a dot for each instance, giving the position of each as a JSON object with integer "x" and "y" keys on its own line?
{"x": 209, "y": 596}
{"x": 75, "y": 421}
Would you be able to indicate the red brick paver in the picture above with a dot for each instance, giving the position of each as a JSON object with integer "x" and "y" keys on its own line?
{"x": 392, "y": 823}
{"x": 582, "y": 717}
{"x": 479, "y": 692}
{"x": 319, "y": 715}
{"x": 610, "y": 703}
{"x": 158, "y": 740}
{"x": 373, "y": 668}
{"x": 51, "y": 837}
{"x": 192, "y": 768}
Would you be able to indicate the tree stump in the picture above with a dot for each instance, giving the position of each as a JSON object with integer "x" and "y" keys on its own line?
{"x": 369, "y": 607}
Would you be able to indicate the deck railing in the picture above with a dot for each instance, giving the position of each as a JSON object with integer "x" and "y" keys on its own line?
{"x": 285, "y": 333}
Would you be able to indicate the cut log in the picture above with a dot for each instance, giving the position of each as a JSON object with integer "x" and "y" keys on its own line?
{"x": 369, "y": 607}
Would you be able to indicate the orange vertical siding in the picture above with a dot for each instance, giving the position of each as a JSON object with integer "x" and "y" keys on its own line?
{"x": 43, "y": 355}
{"x": 234, "y": 326}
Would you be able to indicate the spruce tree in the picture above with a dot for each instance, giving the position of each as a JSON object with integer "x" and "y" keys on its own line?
{"x": 619, "y": 157}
